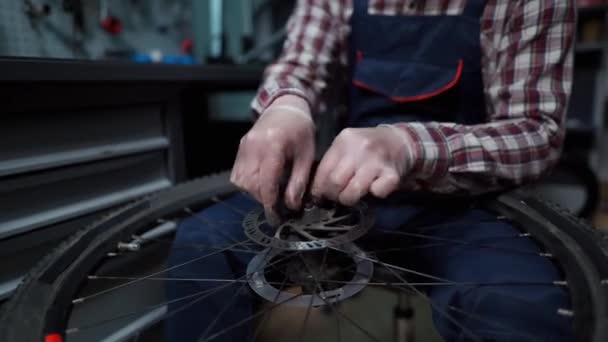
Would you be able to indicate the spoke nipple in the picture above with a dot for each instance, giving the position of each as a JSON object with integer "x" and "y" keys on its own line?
{"x": 92, "y": 276}
{"x": 501, "y": 217}
{"x": 71, "y": 331}
{"x": 161, "y": 221}
{"x": 525, "y": 235}
{"x": 78, "y": 300}
{"x": 546, "y": 255}
{"x": 565, "y": 312}
{"x": 112, "y": 254}
{"x": 560, "y": 283}
{"x": 130, "y": 247}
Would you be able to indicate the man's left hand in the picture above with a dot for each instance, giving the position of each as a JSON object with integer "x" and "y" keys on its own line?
{"x": 362, "y": 161}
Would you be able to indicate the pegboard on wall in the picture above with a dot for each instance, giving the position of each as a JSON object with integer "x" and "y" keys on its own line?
{"x": 144, "y": 26}
{"x": 17, "y": 36}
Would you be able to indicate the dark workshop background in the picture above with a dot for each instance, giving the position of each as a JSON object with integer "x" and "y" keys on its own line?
{"x": 105, "y": 101}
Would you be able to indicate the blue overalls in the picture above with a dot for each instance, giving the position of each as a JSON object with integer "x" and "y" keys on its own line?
{"x": 403, "y": 68}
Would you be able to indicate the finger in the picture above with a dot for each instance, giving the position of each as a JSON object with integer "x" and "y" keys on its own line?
{"x": 338, "y": 179}
{"x": 358, "y": 186}
{"x": 300, "y": 173}
{"x": 235, "y": 175}
{"x": 245, "y": 155}
{"x": 269, "y": 177}
{"x": 327, "y": 164}
{"x": 246, "y": 166}
{"x": 252, "y": 186}
{"x": 385, "y": 184}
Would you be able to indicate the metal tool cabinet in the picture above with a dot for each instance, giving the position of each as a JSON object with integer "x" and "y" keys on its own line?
{"x": 79, "y": 138}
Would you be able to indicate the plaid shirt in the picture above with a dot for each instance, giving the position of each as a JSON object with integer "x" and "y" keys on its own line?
{"x": 527, "y": 56}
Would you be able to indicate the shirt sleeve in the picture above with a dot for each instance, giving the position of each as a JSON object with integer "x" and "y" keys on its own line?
{"x": 527, "y": 76}
{"x": 315, "y": 44}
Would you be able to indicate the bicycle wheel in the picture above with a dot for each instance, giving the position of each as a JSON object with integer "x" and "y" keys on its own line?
{"x": 98, "y": 263}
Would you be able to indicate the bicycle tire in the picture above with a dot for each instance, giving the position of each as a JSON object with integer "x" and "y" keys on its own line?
{"x": 39, "y": 307}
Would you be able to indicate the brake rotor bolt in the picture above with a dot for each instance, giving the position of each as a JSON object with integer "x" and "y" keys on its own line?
{"x": 257, "y": 281}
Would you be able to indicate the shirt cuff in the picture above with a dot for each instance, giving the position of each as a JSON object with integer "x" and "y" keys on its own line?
{"x": 432, "y": 155}
{"x": 267, "y": 95}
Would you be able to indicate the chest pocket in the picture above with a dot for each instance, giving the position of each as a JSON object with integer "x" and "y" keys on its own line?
{"x": 403, "y": 82}
{"x": 416, "y": 7}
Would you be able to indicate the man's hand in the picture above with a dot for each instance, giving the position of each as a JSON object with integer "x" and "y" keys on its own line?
{"x": 362, "y": 161}
{"x": 284, "y": 133}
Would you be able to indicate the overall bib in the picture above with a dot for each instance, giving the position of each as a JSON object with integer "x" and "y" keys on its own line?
{"x": 403, "y": 68}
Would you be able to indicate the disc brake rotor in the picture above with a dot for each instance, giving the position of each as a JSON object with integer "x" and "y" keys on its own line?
{"x": 316, "y": 228}
{"x": 313, "y": 283}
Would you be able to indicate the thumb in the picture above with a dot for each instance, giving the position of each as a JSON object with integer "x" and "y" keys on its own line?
{"x": 300, "y": 173}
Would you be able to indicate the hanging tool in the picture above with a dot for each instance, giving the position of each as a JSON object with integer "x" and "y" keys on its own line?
{"x": 109, "y": 23}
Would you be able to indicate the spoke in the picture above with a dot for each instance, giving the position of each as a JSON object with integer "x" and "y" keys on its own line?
{"x": 201, "y": 280}
{"x": 231, "y": 302}
{"x": 210, "y": 224}
{"x": 303, "y": 328}
{"x": 82, "y": 299}
{"x": 489, "y": 284}
{"x": 445, "y": 282}
{"x": 442, "y": 312}
{"x": 462, "y": 242}
{"x": 336, "y": 219}
{"x": 411, "y": 287}
{"x": 355, "y": 324}
{"x": 437, "y": 244}
{"x": 333, "y": 308}
{"x": 200, "y": 249}
{"x": 447, "y": 224}
{"x": 409, "y": 248}
{"x": 229, "y": 206}
{"x": 303, "y": 233}
{"x": 395, "y": 267}
{"x": 266, "y": 315}
{"x": 323, "y": 266}
{"x": 237, "y": 324}
{"x": 338, "y": 331}
{"x": 328, "y": 229}
{"x": 391, "y": 268}
{"x": 192, "y": 245}
{"x": 488, "y": 322}
{"x": 161, "y": 221}
{"x": 204, "y": 293}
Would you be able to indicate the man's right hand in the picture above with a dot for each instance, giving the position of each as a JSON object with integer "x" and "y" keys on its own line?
{"x": 284, "y": 133}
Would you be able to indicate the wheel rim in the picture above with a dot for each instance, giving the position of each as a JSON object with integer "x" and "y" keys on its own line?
{"x": 59, "y": 325}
